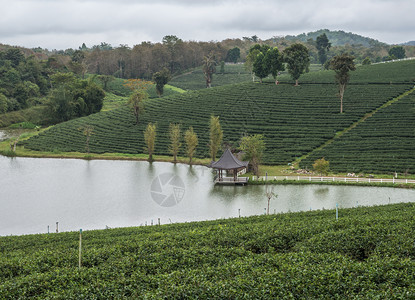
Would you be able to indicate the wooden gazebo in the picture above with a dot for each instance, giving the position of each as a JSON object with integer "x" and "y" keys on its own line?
{"x": 231, "y": 165}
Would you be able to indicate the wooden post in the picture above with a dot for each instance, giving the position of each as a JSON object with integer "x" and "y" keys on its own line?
{"x": 80, "y": 247}
{"x": 48, "y": 229}
{"x": 57, "y": 230}
{"x": 159, "y": 221}
{"x": 239, "y": 212}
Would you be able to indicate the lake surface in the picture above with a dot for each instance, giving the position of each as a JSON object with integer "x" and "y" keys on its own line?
{"x": 37, "y": 193}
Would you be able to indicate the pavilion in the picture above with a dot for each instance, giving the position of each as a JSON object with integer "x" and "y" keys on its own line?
{"x": 231, "y": 165}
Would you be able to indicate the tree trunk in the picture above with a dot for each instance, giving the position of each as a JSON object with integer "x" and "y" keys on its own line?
{"x": 342, "y": 87}
{"x": 296, "y": 82}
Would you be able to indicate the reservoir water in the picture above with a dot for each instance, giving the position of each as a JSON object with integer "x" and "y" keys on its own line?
{"x": 36, "y": 193}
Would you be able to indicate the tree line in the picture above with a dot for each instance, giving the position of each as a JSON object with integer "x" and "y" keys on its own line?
{"x": 253, "y": 146}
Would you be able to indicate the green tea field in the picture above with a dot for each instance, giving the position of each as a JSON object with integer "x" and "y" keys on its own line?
{"x": 294, "y": 120}
{"x": 368, "y": 253}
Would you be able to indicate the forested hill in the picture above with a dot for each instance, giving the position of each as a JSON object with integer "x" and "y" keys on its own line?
{"x": 338, "y": 38}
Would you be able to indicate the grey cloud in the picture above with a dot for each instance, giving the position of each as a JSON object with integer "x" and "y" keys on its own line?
{"x": 54, "y": 24}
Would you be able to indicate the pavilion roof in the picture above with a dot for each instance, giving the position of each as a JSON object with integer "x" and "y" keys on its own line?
{"x": 228, "y": 162}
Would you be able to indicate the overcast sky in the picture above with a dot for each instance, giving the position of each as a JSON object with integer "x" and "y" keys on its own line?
{"x": 62, "y": 24}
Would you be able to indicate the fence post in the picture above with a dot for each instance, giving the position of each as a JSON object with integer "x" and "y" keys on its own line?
{"x": 80, "y": 247}
{"x": 337, "y": 211}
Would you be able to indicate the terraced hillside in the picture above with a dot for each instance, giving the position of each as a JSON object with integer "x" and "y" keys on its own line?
{"x": 294, "y": 120}
{"x": 384, "y": 143}
{"x": 382, "y": 73}
{"x": 195, "y": 80}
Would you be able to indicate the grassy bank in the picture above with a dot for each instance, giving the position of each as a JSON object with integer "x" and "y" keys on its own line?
{"x": 368, "y": 253}
{"x": 305, "y": 181}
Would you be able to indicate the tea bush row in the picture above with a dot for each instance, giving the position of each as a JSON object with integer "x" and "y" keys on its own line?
{"x": 384, "y": 143}
{"x": 294, "y": 120}
{"x": 368, "y": 253}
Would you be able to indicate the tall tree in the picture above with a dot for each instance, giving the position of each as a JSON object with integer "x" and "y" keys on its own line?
{"x": 215, "y": 136}
{"x": 136, "y": 102}
{"x": 150, "y": 140}
{"x": 397, "y": 52}
{"x": 192, "y": 141}
{"x": 323, "y": 46}
{"x": 254, "y": 147}
{"x": 256, "y": 61}
{"x": 342, "y": 65}
{"x": 175, "y": 135}
{"x": 298, "y": 60}
{"x": 161, "y": 78}
{"x": 87, "y": 130}
{"x": 209, "y": 68}
{"x": 261, "y": 68}
{"x": 250, "y": 59}
{"x": 275, "y": 61}
{"x": 173, "y": 43}
{"x": 233, "y": 55}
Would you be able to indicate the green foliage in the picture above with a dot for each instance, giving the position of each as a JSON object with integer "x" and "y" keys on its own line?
{"x": 260, "y": 68}
{"x": 175, "y": 136}
{"x": 254, "y": 147}
{"x": 38, "y": 115}
{"x": 161, "y": 78}
{"x": 4, "y": 104}
{"x": 150, "y": 140}
{"x": 342, "y": 65}
{"x": 24, "y": 125}
{"x": 136, "y": 102}
{"x": 209, "y": 68}
{"x": 222, "y": 67}
{"x": 215, "y": 136}
{"x": 275, "y": 60}
{"x": 321, "y": 166}
{"x": 367, "y": 254}
{"x": 298, "y": 60}
{"x": 105, "y": 79}
{"x": 22, "y": 80}
{"x": 338, "y": 38}
{"x": 191, "y": 139}
{"x": 72, "y": 97}
{"x": 233, "y": 55}
{"x": 323, "y": 46}
{"x": 397, "y": 51}
{"x": 366, "y": 61}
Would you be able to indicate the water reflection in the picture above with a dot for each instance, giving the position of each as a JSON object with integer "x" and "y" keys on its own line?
{"x": 35, "y": 193}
